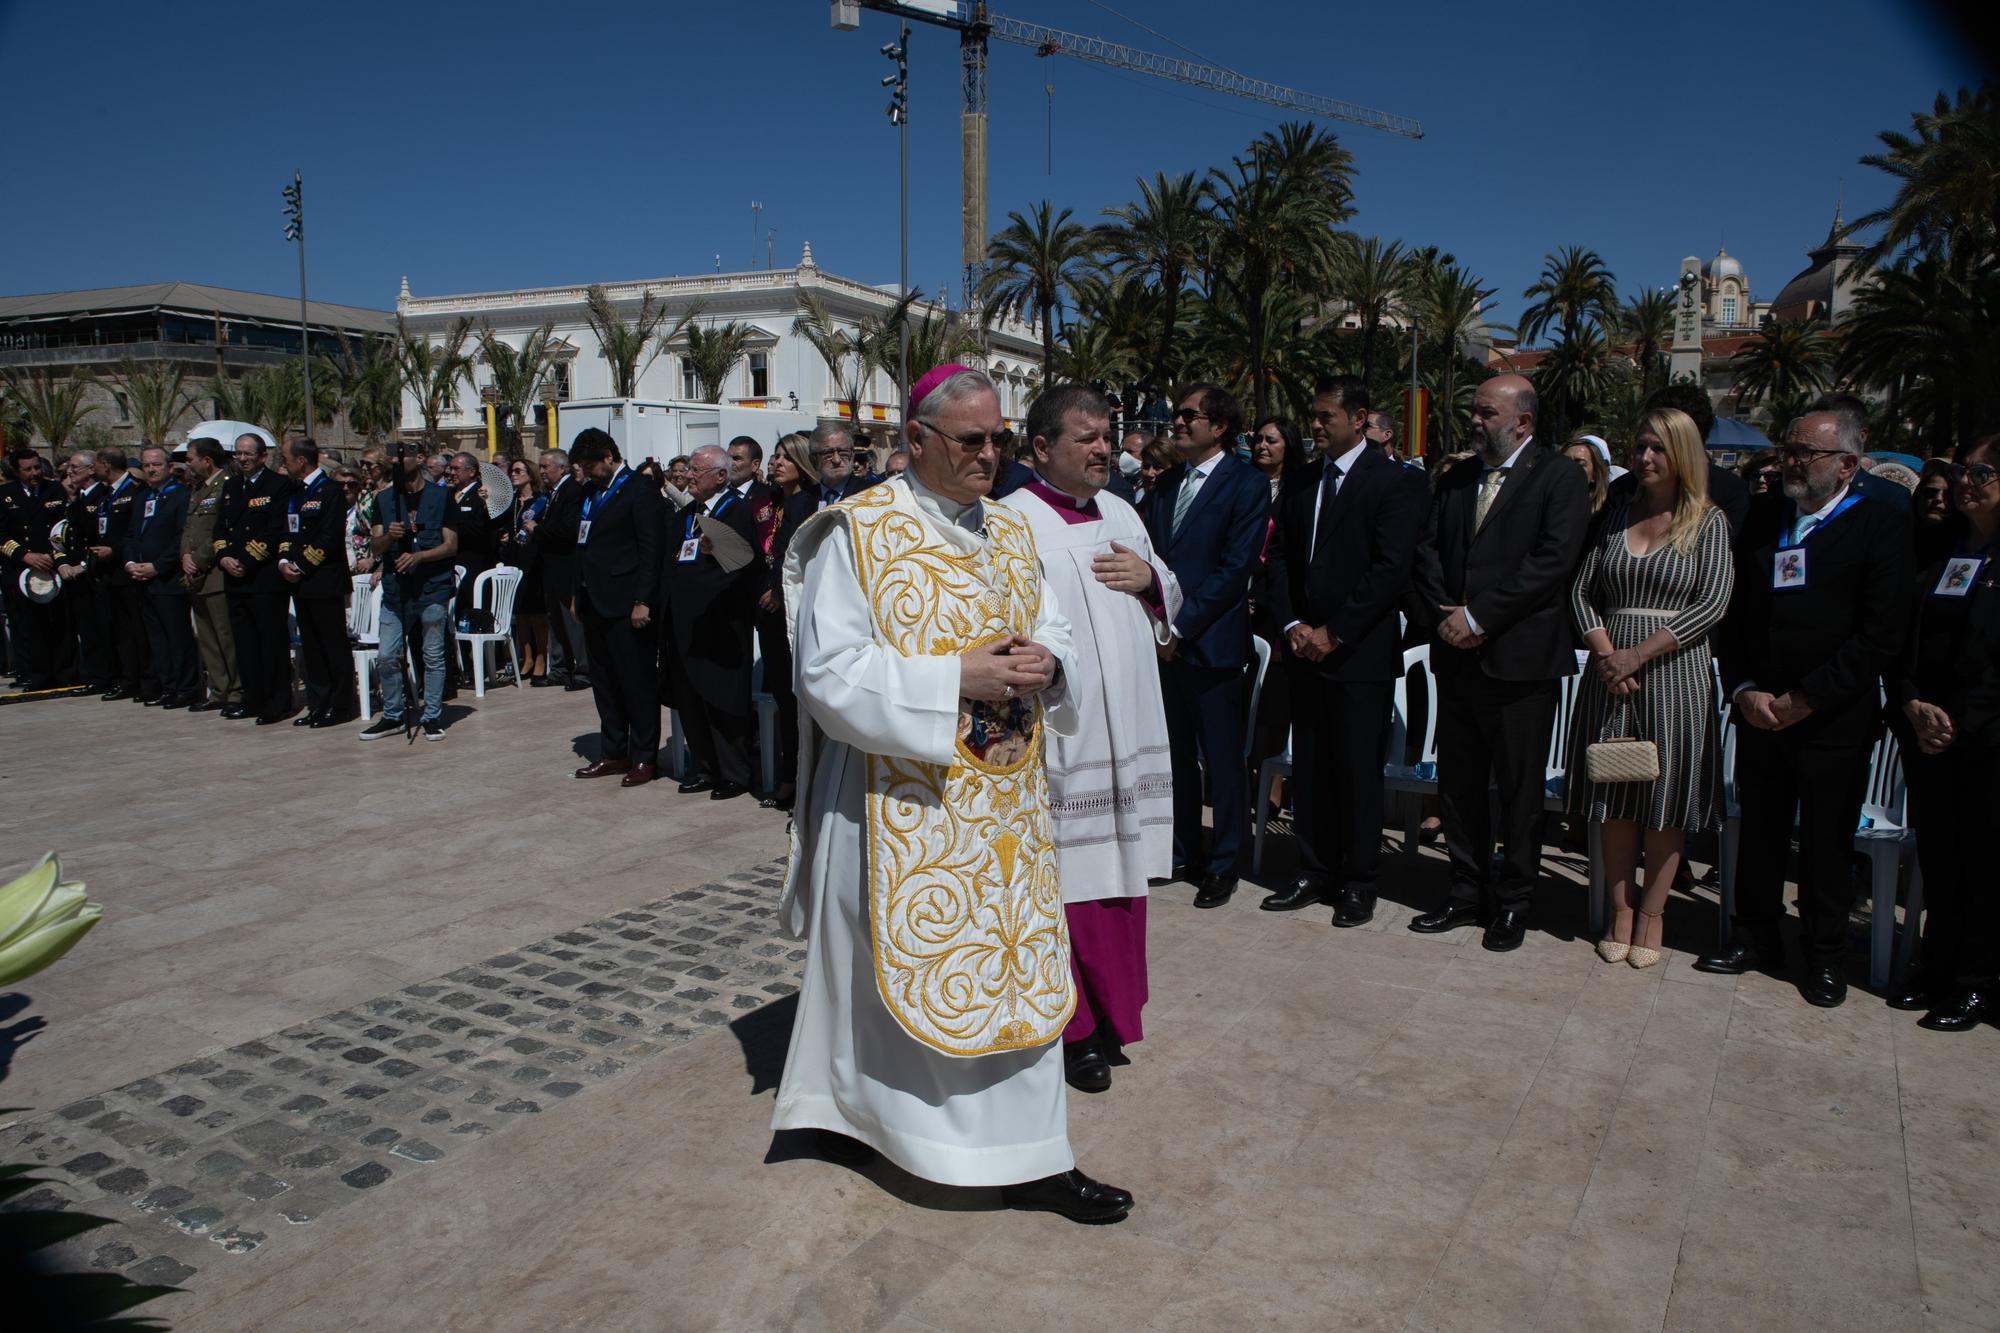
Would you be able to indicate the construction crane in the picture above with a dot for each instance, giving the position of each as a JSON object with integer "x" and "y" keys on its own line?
{"x": 974, "y": 25}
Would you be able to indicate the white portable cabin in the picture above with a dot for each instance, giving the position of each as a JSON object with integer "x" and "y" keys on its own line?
{"x": 662, "y": 430}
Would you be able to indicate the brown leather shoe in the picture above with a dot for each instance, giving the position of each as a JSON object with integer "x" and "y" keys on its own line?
{"x": 602, "y": 768}
{"x": 640, "y": 775}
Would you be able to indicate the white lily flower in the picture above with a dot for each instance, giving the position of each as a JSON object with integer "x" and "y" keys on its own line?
{"x": 41, "y": 917}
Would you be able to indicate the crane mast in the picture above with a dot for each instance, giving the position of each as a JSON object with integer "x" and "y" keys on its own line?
{"x": 975, "y": 26}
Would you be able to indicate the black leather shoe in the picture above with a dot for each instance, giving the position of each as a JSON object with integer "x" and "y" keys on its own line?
{"x": 1299, "y": 893}
{"x": 1215, "y": 890}
{"x": 272, "y": 719}
{"x": 1506, "y": 932}
{"x": 306, "y": 719}
{"x": 1968, "y": 1009}
{"x": 150, "y": 700}
{"x": 693, "y": 785}
{"x": 1824, "y": 987}
{"x": 235, "y": 711}
{"x": 1743, "y": 955}
{"x": 1353, "y": 907}
{"x": 206, "y": 706}
{"x": 577, "y": 683}
{"x": 1072, "y": 1194}
{"x": 1085, "y": 1067}
{"x": 333, "y": 717}
{"x": 115, "y": 693}
{"x": 1919, "y": 991}
{"x": 727, "y": 791}
{"x": 174, "y": 701}
{"x": 544, "y": 682}
{"x": 1450, "y": 918}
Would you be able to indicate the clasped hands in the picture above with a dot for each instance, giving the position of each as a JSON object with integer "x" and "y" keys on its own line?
{"x": 1005, "y": 668}
{"x": 1314, "y": 644}
{"x": 1618, "y": 670}
{"x": 1456, "y": 630}
{"x": 1771, "y": 712}
{"x": 1935, "y": 732}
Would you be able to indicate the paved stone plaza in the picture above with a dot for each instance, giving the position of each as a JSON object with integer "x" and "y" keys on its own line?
{"x": 434, "y": 1037}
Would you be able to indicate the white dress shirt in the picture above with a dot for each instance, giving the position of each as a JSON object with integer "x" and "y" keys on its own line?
{"x": 1345, "y": 463}
{"x": 1506, "y": 464}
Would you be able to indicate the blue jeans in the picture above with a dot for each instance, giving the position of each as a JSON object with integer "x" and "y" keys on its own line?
{"x": 432, "y": 617}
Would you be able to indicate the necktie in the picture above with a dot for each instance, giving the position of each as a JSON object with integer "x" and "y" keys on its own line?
{"x": 1806, "y": 523}
{"x": 827, "y": 496}
{"x": 1329, "y": 486}
{"x": 1182, "y": 501}
{"x": 1489, "y": 490}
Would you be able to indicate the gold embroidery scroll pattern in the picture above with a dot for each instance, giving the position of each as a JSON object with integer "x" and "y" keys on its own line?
{"x": 971, "y": 948}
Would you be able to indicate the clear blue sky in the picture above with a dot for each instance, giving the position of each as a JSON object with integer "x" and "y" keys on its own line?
{"x": 515, "y": 144}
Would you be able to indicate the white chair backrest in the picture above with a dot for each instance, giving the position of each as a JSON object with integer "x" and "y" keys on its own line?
{"x": 1420, "y": 656}
{"x": 1883, "y": 806}
{"x": 364, "y": 617}
{"x": 1558, "y": 761}
{"x": 494, "y": 591}
{"x": 1260, "y": 653}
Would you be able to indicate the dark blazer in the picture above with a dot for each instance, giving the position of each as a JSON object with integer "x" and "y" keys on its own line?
{"x": 708, "y": 609}
{"x": 477, "y": 532}
{"x": 156, "y": 541}
{"x": 1875, "y": 488}
{"x": 1726, "y": 491}
{"x": 1973, "y": 697}
{"x": 1213, "y": 556}
{"x": 320, "y": 548}
{"x": 554, "y": 541}
{"x": 251, "y": 527}
{"x": 1359, "y": 572}
{"x": 107, "y": 519}
{"x": 618, "y": 567}
{"x": 1011, "y": 477}
{"x": 1513, "y": 575}
{"x": 797, "y": 510}
{"x": 1833, "y": 639}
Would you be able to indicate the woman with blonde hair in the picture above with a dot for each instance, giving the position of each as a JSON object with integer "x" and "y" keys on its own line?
{"x": 1585, "y": 455}
{"x": 1652, "y": 587}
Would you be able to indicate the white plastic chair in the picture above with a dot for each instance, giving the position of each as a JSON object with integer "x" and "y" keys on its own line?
{"x": 1260, "y": 666}
{"x": 767, "y": 719}
{"x": 1278, "y": 765}
{"x": 1884, "y": 836}
{"x": 1418, "y": 778}
{"x": 364, "y": 632}
{"x": 492, "y": 591}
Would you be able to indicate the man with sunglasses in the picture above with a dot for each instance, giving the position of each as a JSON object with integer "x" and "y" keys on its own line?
{"x": 1820, "y": 611}
{"x": 932, "y": 662}
{"x": 1208, "y": 519}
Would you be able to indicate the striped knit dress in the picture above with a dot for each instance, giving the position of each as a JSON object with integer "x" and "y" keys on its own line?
{"x": 1630, "y": 597}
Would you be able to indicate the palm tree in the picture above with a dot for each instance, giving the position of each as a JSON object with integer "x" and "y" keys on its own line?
{"x": 850, "y": 357}
{"x": 1312, "y": 156}
{"x": 519, "y": 375}
{"x": 1368, "y": 277}
{"x": 1576, "y": 374}
{"x": 367, "y": 384}
{"x": 1647, "y": 322}
{"x": 52, "y": 407}
{"x": 1091, "y": 353}
{"x": 1158, "y": 239}
{"x": 235, "y": 400}
{"x": 432, "y": 371}
{"x": 1449, "y": 304}
{"x": 1574, "y": 291}
{"x": 1931, "y": 339}
{"x": 1036, "y": 264}
{"x": 159, "y": 393}
{"x": 630, "y": 348}
{"x": 1786, "y": 360}
{"x": 713, "y": 353}
{"x": 938, "y": 337}
{"x": 1947, "y": 200}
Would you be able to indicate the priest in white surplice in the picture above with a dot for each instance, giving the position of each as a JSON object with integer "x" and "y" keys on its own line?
{"x": 1111, "y": 782}
{"x": 932, "y": 662}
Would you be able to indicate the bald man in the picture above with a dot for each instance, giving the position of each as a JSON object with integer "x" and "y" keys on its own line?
{"x": 1492, "y": 582}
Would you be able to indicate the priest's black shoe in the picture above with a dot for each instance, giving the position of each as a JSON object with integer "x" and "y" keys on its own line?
{"x": 1968, "y": 1009}
{"x": 1450, "y": 918}
{"x": 1506, "y": 932}
{"x": 1741, "y": 955}
{"x": 1072, "y": 1194}
{"x": 115, "y": 693}
{"x": 842, "y": 1150}
{"x": 1085, "y": 1067}
{"x": 727, "y": 791}
{"x": 693, "y": 785}
{"x": 1920, "y": 991}
{"x": 1299, "y": 893}
{"x": 334, "y": 717}
{"x": 1215, "y": 890}
{"x": 1353, "y": 907}
{"x": 1824, "y": 987}
{"x": 307, "y": 718}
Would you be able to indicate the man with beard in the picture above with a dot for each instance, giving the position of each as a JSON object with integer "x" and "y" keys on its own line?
{"x": 705, "y": 653}
{"x": 1492, "y": 581}
{"x": 1820, "y": 610}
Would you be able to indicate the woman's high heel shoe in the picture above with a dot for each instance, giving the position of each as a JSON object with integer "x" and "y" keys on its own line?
{"x": 1640, "y": 956}
{"x": 1613, "y": 950}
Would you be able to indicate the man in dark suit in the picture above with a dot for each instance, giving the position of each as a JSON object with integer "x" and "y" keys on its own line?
{"x": 1823, "y": 581}
{"x": 554, "y": 538}
{"x": 30, "y": 507}
{"x": 247, "y": 537}
{"x": 120, "y": 602}
{"x": 312, "y": 560}
{"x": 1492, "y": 581}
{"x": 1208, "y": 519}
{"x": 746, "y": 461}
{"x": 152, "y": 560}
{"x": 1853, "y": 414}
{"x": 832, "y": 452}
{"x": 617, "y": 585}
{"x": 1726, "y": 491}
{"x": 1339, "y": 566}
{"x": 705, "y": 657}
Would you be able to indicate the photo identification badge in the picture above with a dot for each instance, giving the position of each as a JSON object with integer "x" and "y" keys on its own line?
{"x": 151, "y": 505}
{"x": 292, "y": 524}
{"x": 1960, "y": 576}
{"x": 690, "y": 550}
{"x": 582, "y": 531}
{"x": 1788, "y": 569}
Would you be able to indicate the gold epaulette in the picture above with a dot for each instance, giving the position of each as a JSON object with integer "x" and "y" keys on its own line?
{"x": 256, "y": 550}
{"x": 9, "y": 548}
{"x": 220, "y": 546}
{"x": 314, "y": 556}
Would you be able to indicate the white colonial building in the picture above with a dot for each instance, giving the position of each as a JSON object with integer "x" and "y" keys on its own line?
{"x": 781, "y": 370}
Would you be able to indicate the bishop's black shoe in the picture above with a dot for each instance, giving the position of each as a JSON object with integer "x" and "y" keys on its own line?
{"x": 1072, "y": 1194}
{"x": 1301, "y": 892}
{"x": 1450, "y": 917}
{"x": 1084, "y": 1066}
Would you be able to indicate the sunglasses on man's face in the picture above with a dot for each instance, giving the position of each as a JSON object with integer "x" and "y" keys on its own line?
{"x": 1190, "y": 414}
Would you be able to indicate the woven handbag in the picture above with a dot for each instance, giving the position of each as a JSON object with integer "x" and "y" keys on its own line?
{"x": 1621, "y": 758}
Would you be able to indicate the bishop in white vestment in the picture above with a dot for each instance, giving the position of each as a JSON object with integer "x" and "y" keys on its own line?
{"x": 1111, "y": 781}
{"x": 932, "y": 662}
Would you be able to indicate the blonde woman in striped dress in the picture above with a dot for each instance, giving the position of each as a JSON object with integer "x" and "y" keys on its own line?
{"x": 1645, "y": 600}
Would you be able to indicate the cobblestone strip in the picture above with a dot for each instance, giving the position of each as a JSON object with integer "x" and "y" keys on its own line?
{"x": 222, "y": 1155}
